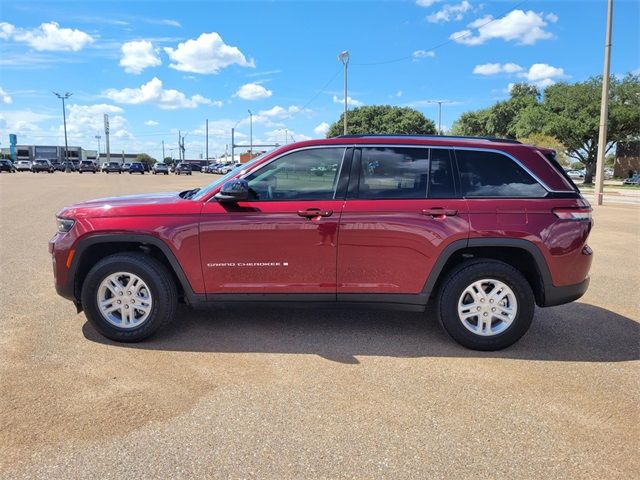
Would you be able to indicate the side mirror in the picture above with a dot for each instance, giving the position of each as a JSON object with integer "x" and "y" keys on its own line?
{"x": 233, "y": 191}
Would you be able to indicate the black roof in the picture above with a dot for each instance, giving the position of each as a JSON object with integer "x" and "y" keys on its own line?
{"x": 435, "y": 137}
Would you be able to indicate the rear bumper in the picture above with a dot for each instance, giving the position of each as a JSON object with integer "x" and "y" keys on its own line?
{"x": 560, "y": 295}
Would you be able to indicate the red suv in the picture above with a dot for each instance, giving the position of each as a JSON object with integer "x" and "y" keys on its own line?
{"x": 488, "y": 228}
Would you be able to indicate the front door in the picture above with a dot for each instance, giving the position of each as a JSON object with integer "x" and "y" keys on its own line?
{"x": 283, "y": 240}
{"x": 402, "y": 210}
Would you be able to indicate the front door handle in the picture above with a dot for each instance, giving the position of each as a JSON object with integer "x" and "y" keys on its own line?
{"x": 439, "y": 212}
{"x": 315, "y": 212}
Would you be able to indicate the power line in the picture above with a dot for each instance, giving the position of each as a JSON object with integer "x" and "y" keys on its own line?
{"x": 446, "y": 42}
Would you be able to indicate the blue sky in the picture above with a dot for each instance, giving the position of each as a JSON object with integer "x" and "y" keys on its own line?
{"x": 157, "y": 67}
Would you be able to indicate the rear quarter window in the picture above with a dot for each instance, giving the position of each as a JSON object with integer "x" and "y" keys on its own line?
{"x": 491, "y": 174}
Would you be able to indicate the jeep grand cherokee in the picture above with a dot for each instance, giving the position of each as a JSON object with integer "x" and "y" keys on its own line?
{"x": 486, "y": 228}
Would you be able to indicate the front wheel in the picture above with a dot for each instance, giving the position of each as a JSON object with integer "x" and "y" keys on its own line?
{"x": 127, "y": 297}
{"x": 485, "y": 305}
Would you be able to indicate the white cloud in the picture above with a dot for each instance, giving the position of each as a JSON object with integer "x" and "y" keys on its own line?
{"x": 450, "y": 12}
{"x": 138, "y": 55}
{"x": 253, "y": 91}
{"x": 169, "y": 22}
{"x": 5, "y": 97}
{"x": 47, "y": 37}
{"x": 543, "y": 75}
{"x": 153, "y": 92}
{"x": 525, "y": 28}
{"x": 151, "y": 123}
{"x": 87, "y": 120}
{"x": 422, "y": 54}
{"x": 350, "y": 101}
{"x": 322, "y": 129}
{"x": 207, "y": 54}
{"x": 426, "y": 3}
{"x": 495, "y": 68}
{"x": 399, "y": 93}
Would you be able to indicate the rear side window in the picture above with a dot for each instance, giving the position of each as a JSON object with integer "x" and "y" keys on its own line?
{"x": 490, "y": 174}
{"x": 391, "y": 172}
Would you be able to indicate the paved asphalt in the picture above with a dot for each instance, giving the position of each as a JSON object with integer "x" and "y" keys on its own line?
{"x": 239, "y": 393}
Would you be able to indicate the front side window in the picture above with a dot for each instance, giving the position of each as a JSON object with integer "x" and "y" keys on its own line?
{"x": 490, "y": 174}
{"x": 310, "y": 174}
{"x": 393, "y": 173}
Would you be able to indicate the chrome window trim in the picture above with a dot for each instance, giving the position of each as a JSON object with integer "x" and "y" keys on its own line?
{"x": 403, "y": 145}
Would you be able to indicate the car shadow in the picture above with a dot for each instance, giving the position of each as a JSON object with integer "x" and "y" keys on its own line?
{"x": 576, "y": 332}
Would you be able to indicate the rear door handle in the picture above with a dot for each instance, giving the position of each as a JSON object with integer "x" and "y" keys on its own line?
{"x": 439, "y": 212}
{"x": 315, "y": 212}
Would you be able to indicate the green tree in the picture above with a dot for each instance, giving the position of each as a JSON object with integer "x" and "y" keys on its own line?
{"x": 500, "y": 119}
{"x": 571, "y": 113}
{"x": 146, "y": 159}
{"x": 383, "y": 119}
{"x": 168, "y": 161}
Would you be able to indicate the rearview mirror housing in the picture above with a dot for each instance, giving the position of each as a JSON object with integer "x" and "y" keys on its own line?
{"x": 235, "y": 190}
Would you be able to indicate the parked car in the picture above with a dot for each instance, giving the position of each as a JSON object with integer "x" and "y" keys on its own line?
{"x": 183, "y": 169}
{"x": 7, "y": 166}
{"x": 576, "y": 174}
{"x": 136, "y": 167}
{"x": 209, "y": 168}
{"x": 229, "y": 167}
{"x": 125, "y": 166}
{"x": 419, "y": 218}
{"x": 23, "y": 166}
{"x": 634, "y": 180}
{"x": 41, "y": 165}
{"x": 160, "y": 168}
{"x": 111, "y": 167}
{"x": 57, "y": 165}
{"x": 87, "y": 166}
{"x": 70, "y": 166}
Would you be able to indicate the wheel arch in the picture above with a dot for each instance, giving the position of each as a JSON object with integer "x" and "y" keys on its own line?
{"x": 91, "y": 249}
{"x": 521, "y": 254}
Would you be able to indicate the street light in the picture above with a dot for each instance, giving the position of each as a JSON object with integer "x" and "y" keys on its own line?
{"x": 439, "y": 102}
{"x": 64, "y": 119}
{"x": 250, "y": 134}
{"x": 344, "y": 58}
{"x": 98, "y": 137}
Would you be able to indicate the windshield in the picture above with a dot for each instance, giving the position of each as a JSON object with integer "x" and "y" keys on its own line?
{"x": 212, "y": 186}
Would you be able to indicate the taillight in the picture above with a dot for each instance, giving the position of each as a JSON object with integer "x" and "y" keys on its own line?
{"x": 575, "y": 214}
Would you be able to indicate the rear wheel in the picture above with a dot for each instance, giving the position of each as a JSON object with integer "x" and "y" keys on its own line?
{"x": 486, "y": 305}
{"x": 127, "y": 297}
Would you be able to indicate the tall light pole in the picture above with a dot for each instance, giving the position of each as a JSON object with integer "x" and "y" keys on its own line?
{"x": 439, "y": 102}
{"x": 344, "y": 58}
{"x": 604, "y": 108}
{"x": 63, "y": 97}
{"x": 98, "y": 137}
{"x": 250, "y": 134}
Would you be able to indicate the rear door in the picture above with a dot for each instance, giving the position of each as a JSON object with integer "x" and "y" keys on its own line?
{"x": 284, "y": 239}
{"x": 402, "y": 209}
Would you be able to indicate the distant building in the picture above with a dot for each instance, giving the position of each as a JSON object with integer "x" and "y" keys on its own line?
{"x": 50, "y": 152}
{"x": 627, "y": 158}
{"x": 246, "y": 156}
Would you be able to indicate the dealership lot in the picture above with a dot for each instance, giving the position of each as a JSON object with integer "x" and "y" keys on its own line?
{"x": 271, "y": 393}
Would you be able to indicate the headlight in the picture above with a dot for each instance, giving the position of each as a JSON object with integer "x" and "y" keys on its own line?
{"x": 65, "y": 224}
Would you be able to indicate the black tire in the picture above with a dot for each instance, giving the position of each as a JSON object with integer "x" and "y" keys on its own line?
{"x": 153, "y": 273}
{"x": 463, "y": 276}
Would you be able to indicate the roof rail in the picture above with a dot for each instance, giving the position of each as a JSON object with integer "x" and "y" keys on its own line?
{"x": 435, "y": 137}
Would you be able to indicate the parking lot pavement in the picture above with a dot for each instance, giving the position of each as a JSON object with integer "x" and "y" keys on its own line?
{"x": 317, "y": 393}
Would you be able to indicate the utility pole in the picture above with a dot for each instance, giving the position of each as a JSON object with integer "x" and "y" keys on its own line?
{"x": 286, "y": 136}
{"x": 206, "y": 149}
{"x": 64, "y": 119}
{"x": 344, "y": 58}
{"x": 604, "y": 108}
{"x": 233, "y": 143}
{"x": 250, "y": 134}
{"x": 163, "y": 157}
{"x": 106, "y": 136}
{"x": 439, "y": 102}
{"x": 179, "y": 145}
